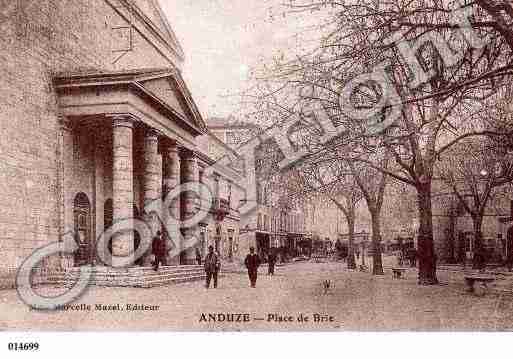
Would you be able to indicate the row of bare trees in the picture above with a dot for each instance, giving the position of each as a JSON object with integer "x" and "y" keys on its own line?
{"x": 427, "y": 73}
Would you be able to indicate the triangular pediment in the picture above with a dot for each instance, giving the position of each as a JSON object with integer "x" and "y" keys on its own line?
{"x": 163, "y": 89}
{"x": 166, "y": 91}
{"x": 141, "y": 36}
{"x": 172, "y": 91}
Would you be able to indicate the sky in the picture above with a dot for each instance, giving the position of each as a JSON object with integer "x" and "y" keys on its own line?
{"x": 223, "y": 40}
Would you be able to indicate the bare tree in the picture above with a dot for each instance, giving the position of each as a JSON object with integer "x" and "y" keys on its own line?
{"x": 372, "y": 184}
{"x": 474, "y": 169}
{"x": 335, "y": 182}
{"x": 479, "y": 31}
{"x": 448, "y": 74}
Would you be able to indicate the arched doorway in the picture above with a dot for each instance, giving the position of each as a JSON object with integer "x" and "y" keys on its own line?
{"x": 82, "y": 218}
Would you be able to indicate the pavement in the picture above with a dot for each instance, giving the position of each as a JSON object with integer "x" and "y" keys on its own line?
{"x": 503, "y": 284}
{"x": 293, "y": 300}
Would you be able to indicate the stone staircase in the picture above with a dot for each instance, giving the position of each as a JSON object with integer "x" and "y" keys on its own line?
{"x": 141, "y": 277}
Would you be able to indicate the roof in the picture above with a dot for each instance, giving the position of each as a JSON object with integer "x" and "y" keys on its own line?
{"x": 139, "y": 80}
{"x": 152, "y": 14}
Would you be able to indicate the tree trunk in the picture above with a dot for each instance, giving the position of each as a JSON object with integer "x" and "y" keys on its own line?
{"x": 478, "y": 261}
{"x": 351, "y": 263}
{"x": 426, "y": 248}
{"x": 377, "y": 264}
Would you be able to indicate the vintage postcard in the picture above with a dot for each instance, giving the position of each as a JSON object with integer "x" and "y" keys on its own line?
{"x": 256, "y": 165}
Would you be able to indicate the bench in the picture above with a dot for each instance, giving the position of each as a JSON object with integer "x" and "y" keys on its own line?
{"x": 398, "y": 272}
{"x": 481, "y": 279}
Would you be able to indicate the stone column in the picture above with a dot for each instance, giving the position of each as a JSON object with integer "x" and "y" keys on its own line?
{"x": 190, "y": 174}
{"x": 171, "y": 179}
{"x": 122, "y": 182}
{"x": 152, "y": 183}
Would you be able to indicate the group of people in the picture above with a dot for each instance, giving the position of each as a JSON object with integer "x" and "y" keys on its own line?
{"x": 212, "y": 262}
{"x": 407, "y": 254}
{"x": 212, "y": 266}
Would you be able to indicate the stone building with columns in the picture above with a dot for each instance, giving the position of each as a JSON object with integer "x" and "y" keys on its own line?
{"x": 97, "y": 125}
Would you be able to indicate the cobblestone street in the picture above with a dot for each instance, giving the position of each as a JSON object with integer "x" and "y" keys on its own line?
{"x": 359, "y": 301}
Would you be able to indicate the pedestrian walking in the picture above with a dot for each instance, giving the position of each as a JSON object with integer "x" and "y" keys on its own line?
{"x": 198, "y": 256}
{"x": 158, "y": 249}
{"x": 271, "y": 261}
{"x": 412, "y": 255}
{"x": 212, "y": 266}
{"x": 399, "y": 257}
{"x": 252, "y": 263}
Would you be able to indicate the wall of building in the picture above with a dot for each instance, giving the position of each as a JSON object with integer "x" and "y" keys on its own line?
{"x": 40, "y": 39}
{"x": 400, "y": 215}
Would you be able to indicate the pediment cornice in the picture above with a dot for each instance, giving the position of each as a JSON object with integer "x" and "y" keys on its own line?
{"x": 134, "y": 81}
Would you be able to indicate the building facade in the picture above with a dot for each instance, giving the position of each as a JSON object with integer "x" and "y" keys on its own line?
{"x": 453, "y": 231}
{"x": 291, "y": 227}
{"x": 223, "y": 233}
{"x": 97, "y": 125}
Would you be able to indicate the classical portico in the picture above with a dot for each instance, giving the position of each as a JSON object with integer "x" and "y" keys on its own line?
{"x": 128, "y": 139}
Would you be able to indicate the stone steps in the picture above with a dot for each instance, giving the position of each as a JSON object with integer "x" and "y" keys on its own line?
{"x": 143, "y": 277}
{"x": 167, "y": 281}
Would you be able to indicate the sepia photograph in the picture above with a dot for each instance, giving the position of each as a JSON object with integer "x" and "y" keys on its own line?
{"x": 256, "y": 166}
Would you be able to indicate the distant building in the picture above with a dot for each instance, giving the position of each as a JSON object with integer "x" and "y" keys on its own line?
{"x": 277, "y": 223}
{"x": 453, "y": 232}
{"x": 453, "y": 227}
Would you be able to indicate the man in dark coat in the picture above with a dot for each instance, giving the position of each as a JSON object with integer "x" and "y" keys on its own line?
{"x": 252, "y": 263}
{"x": 212, "y": 266}
{"x": 198, "y": 256}
{"x": 158, "y": 248}
{"x": 412, "y": 254}
{"x": 271, "y": 260}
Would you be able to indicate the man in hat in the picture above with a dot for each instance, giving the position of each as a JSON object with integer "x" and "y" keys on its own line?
{"x": 252, "y": 263}
{"x": 271, "y": 260}
{"x": 212, "y": 266}
{"x": 158, "y": 248}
